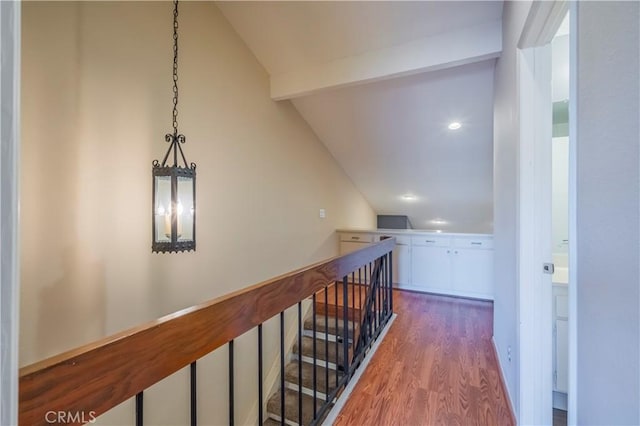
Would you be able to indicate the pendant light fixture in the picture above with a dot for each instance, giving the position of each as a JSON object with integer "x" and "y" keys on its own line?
{"x": 174, "y": 185}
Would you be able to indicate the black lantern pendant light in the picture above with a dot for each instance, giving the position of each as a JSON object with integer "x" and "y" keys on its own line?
{"x": 174, "y": 186}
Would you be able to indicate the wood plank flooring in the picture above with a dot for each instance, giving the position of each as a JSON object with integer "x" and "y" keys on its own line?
{"x": 436, "y": 366}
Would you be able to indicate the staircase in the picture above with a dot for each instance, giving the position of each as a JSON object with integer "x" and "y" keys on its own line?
{"x": 322, "y": 351}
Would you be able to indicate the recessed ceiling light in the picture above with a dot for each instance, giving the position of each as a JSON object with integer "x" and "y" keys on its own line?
{"x": 438, "y": 222}
{"x": 409, "y": 197}
{"x": 454, "y": 125}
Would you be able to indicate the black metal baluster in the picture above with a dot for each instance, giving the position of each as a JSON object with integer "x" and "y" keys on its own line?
{"x": 300, "y": 363}
{"x": 388, "y": 285}
{"x": 352, "y": 316}
{"x": 391, "y": 285}
{"x": 370, "y": 316}
{"x": 260, "y": 396}
{"x": 374, "y": 289}
{"x": 383, "y": 268}
{"x": 360, "y": 296}
{"x": 335, "y": 288}
{"x": 345, "y": 324}
{"x": 315, "y": 356}
{"x": 385, "y": 288}
{"x": 231, "y": 390}
{"x": 194, "y": 395}
{"x": 385, "y": 280}
{"x": 353, "y": 297}
{"x": 326, "y": 341}
{"x": 363, "y": 321}
{"x": 139, "y": 408}
{"x": 282, "y": 413}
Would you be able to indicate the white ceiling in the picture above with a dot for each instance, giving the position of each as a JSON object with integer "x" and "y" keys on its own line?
{"x": 379, "y": 82}
{"x": 392, "y": 139}
{"x": 286, "y": 35}
{"x": 560, "y": 63}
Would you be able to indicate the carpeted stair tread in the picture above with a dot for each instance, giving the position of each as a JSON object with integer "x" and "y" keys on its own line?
{"x": 291, "y": 376}
{"x": 291, "y": 406}
{"x": 320, "y": 325}
{"x": 322, "y": 348}
{"x": 270, "y": 422}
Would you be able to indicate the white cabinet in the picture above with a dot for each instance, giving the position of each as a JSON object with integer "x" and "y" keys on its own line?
{"x": 402, "y": 265}
{"x": 354, "y": 241}
{"x": 431, "y": 269}
{"x": 472, "y": 271}
{"x": 459, "y": 266}
{"x": 452, "y": 264}
{"x": 560, "y": 344}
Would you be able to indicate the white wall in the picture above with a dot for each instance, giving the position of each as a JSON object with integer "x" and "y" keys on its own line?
{"x": 505, "y": 178}
{"x": 608, "y": 213}
{"x": 96, "y": 107}
{"x": 560, "y": 199}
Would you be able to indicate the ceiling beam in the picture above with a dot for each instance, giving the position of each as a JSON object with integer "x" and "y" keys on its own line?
{"x": 432, "y": 53}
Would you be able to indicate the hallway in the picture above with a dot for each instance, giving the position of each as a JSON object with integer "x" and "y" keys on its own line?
{"x": 435, "y": 366}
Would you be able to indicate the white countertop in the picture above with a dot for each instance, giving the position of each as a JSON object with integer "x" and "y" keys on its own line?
{"x": 410, "y": 232}
{"x": 560, "y": 276}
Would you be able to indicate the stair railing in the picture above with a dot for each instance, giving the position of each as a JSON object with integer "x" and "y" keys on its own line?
{"x": 83, "y": 383}
{"x": 373, "y": 316}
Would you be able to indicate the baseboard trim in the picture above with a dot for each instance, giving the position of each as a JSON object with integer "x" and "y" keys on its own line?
{"x": 457, "y": 294}
{"x": 560, "y": 400}
{"x": 503, "y": 381}
{"x": 344, "y": 397}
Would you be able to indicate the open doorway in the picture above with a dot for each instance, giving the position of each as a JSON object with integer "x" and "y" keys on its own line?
{"x": 560, "y": 220}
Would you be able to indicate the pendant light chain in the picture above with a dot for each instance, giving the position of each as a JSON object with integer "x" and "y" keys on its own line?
{"x": 173, "y": 203}
{"x": 175, "y": 68}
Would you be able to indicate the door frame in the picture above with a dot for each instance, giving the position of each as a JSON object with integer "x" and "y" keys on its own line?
{"x": 10, "y": 15}
{"x": 535, "y": 288}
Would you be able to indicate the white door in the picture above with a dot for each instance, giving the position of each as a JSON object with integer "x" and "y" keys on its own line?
{"x": 9, "y": 201}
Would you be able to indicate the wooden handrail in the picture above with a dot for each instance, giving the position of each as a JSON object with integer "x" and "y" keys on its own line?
{"x": 98, "y": 376}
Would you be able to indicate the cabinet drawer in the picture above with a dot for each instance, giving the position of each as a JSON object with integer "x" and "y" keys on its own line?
{"x": 401, "y": 240}
{"x": 359, "y": 238}
{"x": 431, "y": 240}
{"x": 562, "y": 306}
{"x": 471, "y": 242}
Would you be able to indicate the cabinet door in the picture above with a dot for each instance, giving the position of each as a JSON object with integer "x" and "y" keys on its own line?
{"x": 431, "y": 268}
{"x": 562, "y": 355}
{"x": 473, "y": 272}
{"x": 402, "y": 265}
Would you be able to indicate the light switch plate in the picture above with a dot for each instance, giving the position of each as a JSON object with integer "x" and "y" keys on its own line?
{"x": 323, "y": 213}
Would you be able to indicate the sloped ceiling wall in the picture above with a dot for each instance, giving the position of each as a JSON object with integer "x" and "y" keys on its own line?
{"x": 379, "y": 83}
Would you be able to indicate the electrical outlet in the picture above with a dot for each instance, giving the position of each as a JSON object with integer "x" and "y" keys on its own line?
{"x": 323, "y": 213}
{"x": 509, "y": 353}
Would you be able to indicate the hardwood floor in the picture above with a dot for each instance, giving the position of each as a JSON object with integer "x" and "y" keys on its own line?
{"x": 436, "y": 366}
{"x": 559, "y": 417}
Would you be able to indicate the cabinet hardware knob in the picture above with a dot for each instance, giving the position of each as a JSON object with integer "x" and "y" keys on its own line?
{"x": 430, "y": 241}
{"x": 355, "y": 238}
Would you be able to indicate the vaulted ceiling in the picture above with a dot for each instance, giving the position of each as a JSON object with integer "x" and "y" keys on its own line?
{"x": 379, "y": 83}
